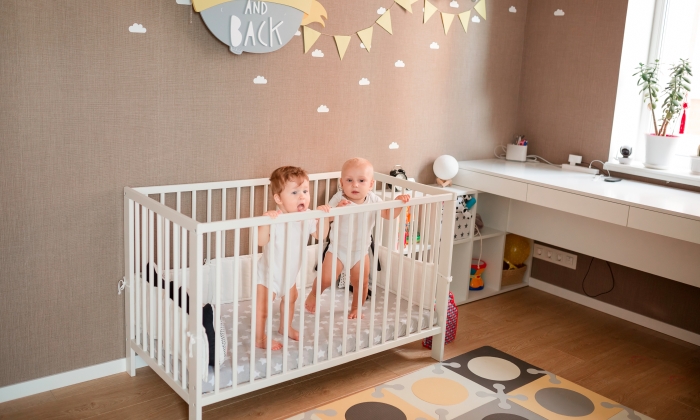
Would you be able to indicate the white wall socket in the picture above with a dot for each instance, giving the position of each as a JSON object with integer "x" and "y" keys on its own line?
{"x": 555, "y": 256}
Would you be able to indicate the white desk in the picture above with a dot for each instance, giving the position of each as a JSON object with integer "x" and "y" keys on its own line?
{"x": 643, "y": 226}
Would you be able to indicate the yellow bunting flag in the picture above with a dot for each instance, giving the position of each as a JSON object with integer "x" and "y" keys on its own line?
{"x": 366, "y": 37}
{"x": 385, "y": 21}
{"x": 447, "y": 20}
{"x": 341, "y": 42}
{"x": 406, "y": 4}
{"x": 310, "y": 37}
{"x": 428, "y": 11}
{"x": 481, "y": 8}
{"x": 464, "y": 18}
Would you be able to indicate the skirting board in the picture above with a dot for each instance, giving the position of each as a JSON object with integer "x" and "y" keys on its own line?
{"x": 613, "y": 310}
{"x": 60, "y": 380}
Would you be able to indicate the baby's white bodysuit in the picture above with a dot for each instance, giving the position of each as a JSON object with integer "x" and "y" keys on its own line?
{"x": 285, "y": 262}
{"x": 359, "y": 249}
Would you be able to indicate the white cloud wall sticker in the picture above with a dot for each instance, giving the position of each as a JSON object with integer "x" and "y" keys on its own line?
{"x": 260, "y": 80}
{"x": 399, "y": 63}
{"x": 184, "y": 2}
{"x": 558, "y": 12}
{"x": 394, "y": 145}
{"x": 317, "y": 54}
{"x": 364, "y": 81}
{"x": 322, "y": 108}
{"x": 137, "y": 28}
{"x": 512, "y": 9}
{"x": 434, "y": 46}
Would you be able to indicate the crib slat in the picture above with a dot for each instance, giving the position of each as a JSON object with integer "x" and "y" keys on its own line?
{"x": 334, "y": 276}
{"x": 265, "y": 198}
{"x": 412, "y": 250}
{"x": 183, "y": 309}
{"x": 375, "y": 257}
{"x": 400, "y": 244}
{"x": 238, "y": 203}
{"x": 270, "y": 271}
{"x": 302, "y": 286}
{"x": 315, "y": 206}
{"x": 328, "y": 189}
{"x": 223, "y": 217}
{"x": 208, "y": 221}
{"x": 433, "y": 251}
{"x": 217, "y": 315}
{"x": 317, "y": 313}
{"x": 254, "y": 306}
{"x": 159, "y": 285}
{"x": 177, "y": 333}
{"x": 235, "y": 315}
{"x": 166, "y": 268}
{"x": 139, "y": 274}
{"x": 387, "y": 276}
{"x": 359, "y": 292}
{"x": 151, "y": 284}
{"x": 284, "y": 303}
{"x": 252, "y": 212}
{"x": 144, "y": 273}
{"x": 346, "y": 268}
{"x": 425, "y": 223}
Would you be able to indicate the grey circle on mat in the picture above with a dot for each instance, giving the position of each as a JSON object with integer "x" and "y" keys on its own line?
{"x": 374, "y": 410}
{"x": 564, "y": 402}
{"x": 503, "y": 416}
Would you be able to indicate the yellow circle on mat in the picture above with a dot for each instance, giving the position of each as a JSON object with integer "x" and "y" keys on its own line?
{"x": 440, "y": 391}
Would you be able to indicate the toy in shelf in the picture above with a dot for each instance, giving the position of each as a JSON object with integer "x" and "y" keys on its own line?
{"x": 516, "y": 252}
{"x": 475, "y": 280}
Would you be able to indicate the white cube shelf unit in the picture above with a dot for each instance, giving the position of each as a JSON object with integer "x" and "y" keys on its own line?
{"x": 488, "y": 243}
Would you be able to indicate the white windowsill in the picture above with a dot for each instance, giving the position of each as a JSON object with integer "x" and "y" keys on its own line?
{"x": 636, "y": 168}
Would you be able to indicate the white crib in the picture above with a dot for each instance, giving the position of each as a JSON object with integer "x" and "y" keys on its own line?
{"x": 195, "y": 235}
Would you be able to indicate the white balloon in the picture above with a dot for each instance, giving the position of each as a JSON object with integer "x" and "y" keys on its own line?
{"x": 445, "y": 167}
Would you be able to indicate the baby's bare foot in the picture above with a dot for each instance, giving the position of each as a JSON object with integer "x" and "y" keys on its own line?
{"x": 353, "y": 314}
{"x": 262, "y": 344}
{"x": 310, "y": 303}
{"x": 293, "y": 334}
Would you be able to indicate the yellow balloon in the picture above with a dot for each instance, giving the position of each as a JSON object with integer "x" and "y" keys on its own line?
{"x": 517, "y": 249}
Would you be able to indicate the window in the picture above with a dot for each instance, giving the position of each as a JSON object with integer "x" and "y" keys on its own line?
{"x": 668, "y": 30}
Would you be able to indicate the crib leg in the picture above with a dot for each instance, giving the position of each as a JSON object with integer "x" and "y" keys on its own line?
{"x": 130, "y": 360}
{"x": 195, "y": 412}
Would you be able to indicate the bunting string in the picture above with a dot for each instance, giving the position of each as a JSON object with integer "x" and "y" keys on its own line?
{"x": 384, "y": 21}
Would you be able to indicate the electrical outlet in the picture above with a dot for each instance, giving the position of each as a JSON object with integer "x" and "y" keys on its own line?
{"x": 555, "y": 256}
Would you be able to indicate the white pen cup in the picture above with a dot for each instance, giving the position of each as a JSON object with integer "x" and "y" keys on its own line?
{"x": 516, "y": 153}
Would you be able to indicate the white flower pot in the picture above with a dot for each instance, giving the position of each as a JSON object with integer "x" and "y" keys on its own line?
{"x": 660, "y": 151}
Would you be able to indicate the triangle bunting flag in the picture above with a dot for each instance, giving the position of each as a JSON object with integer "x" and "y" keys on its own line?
{"x": 310, "y": 37}
{"x": 447, "y": 20}
{"x": 366, "y": 37}
{"x": 481, "y": 8}
{"x": 385, "y": 21}
{"x": 464, "y": 18}
{"x": 429, "y": 10}
{"x": 341, "y": 42}
{"x": 406, "y": 4}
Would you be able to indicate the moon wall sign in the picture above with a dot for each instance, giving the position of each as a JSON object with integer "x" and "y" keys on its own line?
{"x": 257, "y": 26}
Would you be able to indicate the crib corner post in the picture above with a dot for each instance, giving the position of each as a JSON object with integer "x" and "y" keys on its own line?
{"x": 128, "y": 284}
{"x": 444, "y": 276}
{"x": 441, "y": 299}
{"x": 195, "y": 324}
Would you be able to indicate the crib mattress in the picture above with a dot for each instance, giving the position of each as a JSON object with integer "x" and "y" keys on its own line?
{"x": 242, "y": 365}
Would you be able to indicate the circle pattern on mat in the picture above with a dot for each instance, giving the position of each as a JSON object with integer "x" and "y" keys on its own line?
{"x": 503, "y": 416}
{"x": 564, "y": 402}
{"x": 440, "y": 391}
{"x": 374, "y": 410}
{"x": 494, "y": 368}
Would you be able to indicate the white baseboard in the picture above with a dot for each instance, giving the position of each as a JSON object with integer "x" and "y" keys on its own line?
{"x": 60, "y": 380}
{"x": 613, "y": 310}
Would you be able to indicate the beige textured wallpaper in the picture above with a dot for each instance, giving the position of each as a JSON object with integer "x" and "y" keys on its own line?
{"x": 569, "y": 77}
{"x": 88, "y": 108}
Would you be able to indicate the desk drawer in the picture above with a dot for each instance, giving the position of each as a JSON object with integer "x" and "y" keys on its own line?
{"x": 578, "y": 204}
{"x": 491, "y": 184}
{"x": 665, "y": 224}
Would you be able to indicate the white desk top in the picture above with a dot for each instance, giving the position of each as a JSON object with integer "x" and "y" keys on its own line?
{"x": 632, "y": 193}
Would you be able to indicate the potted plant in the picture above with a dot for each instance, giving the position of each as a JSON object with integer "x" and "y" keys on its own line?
{"x": 661, "y": 145}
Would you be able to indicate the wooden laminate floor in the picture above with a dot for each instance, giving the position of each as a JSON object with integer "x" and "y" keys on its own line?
{"x": 648, "y": 371}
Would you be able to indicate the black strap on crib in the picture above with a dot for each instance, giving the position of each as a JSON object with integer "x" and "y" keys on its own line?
{"x": 207, "y": 312}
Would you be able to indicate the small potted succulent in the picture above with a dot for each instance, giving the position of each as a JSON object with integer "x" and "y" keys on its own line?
{"x": 662, "y": 143}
